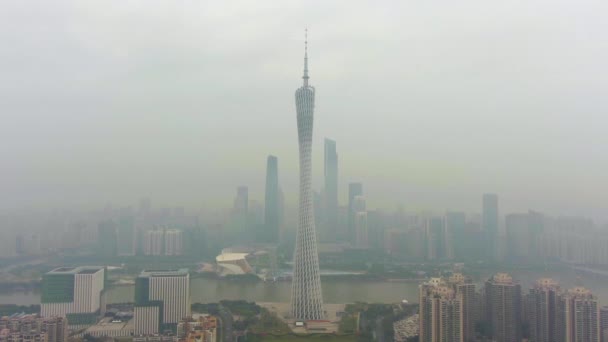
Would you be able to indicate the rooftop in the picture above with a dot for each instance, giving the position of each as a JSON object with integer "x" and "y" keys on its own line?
{"x": 230, "y": 257}
{"x": 77, "y": 270}
{"x": 164, "y": 273}
{"x": 106, "y": 325}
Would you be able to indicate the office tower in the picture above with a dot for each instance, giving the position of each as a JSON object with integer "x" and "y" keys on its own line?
{"x": 162, "y": 299}
{"x": 541, "y": 310}
{"x": 489, "y": 224}
{"x": 240, "y": 213}
{"x": 455, "y": 223}
{"x": 360, "y": 222}
{"x": 414, "y": 242}
{"x": 438, "y": 244}
{"x": 331, "y": 191}
{"x": 126, "y": 236}
{"x": 604, "y": 324}
{"x": 523, "y": 233}
{"x": 503, "y": 308}
{"x": 440, "y": 313}
{"x": 465, "y": 290}
{"x": 361, "y": 230}
{"x": 73, "y": 292}
{"x": 153, "y": 242}
{"x": 354, "y": 190}
{"x": 376, "y": 225}
{"x": 107, "y": 238}
{"x": 174, "y": 242}
{"x": 579, "y": 316}
{"x": 306, "y": 296}
{"x": 241, "y": 202}
{"x": 270, "y": 232}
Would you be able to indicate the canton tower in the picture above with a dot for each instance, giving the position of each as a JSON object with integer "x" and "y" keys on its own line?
{"x": 306, "y": 296}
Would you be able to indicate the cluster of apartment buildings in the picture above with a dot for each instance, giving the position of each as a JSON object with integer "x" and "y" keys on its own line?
{"x": 33, "y": 328}
{"x": 451, "y": 310}
{"x": 168, "y": 242}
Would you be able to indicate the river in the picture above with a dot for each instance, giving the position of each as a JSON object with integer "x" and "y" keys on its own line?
{"x": 335, "y": 290}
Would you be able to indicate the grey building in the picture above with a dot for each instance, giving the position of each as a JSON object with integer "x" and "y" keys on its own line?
{"x": 330, "y": 191}
{"x": 354, "y": 190}
{"x": 503, "y": 308}
{"x": 271, "y": 225}
{"x": 490, "y": 224}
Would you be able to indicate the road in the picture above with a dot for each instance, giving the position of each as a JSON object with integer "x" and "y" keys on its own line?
{"x": 227, "y": 330}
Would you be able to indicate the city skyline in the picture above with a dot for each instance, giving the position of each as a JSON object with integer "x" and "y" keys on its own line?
{"x": 136, "y": 114}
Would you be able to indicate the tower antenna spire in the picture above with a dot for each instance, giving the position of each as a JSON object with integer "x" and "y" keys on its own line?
{"x": 305, "y": 77}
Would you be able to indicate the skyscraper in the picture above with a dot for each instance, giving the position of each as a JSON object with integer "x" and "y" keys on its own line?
{"x": 440, "y": 318}
{"x": 161, "y": 298}
{"x": 241, "y": 202}
{"x": 153, "y": 242}
{"x": 107, "y": 238}
{"x": 438, "y": 244}
{"x": 331, "y": 191}
{"x": 270, "y": 231}
{"x": 489, "y": 224}
{"x": 126, "y": 236}
{"x": 503, "y": 308}
{"x": 523, "y": 232}
{"x": 354, "y": 190}
{"x": 579, "y": 316}
{"x": 174, "y": 242}
{"x": 541, "y": 310}
{"x": 455, "y": 223}
{"x": 465, "y": 290}
{"x": 73, "y": 292}
{"x": 306, "y": 296}
{"x": 604, "y": 324}
{"x": 240, "y": 215}
{"x": 360, "y": 223}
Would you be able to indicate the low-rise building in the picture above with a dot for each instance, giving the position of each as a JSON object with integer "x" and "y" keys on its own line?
{"x": 199, "y": 328}
{"x": 32, "y": 328}
{"x": 111, "y": 327}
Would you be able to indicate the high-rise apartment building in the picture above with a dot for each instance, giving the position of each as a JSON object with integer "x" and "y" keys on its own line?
{"x": 306, "y": 295}
{"x": 541, "y": 305}
{"x": 489, "y": 224}
{"x": 440, "y": 313}
{"x": 153, "y": 242}
{"x": 73, "y": 292}
{"x": 504, "y": 308}
{"x": 270, "y": 232}
{"x": 330, "y": 232}
{"x": 174, "y": 242}
{"x": 464, "y": 289}
{"x": 162, "y": 298}
{"x": 604, "y": 324}
{"x": 579, "y": 316}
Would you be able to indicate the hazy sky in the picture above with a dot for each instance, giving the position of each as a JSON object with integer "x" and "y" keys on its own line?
{"x": 431, "y": 103}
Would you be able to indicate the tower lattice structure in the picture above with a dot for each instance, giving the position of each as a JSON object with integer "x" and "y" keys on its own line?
{"x": 306, "y": 294}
